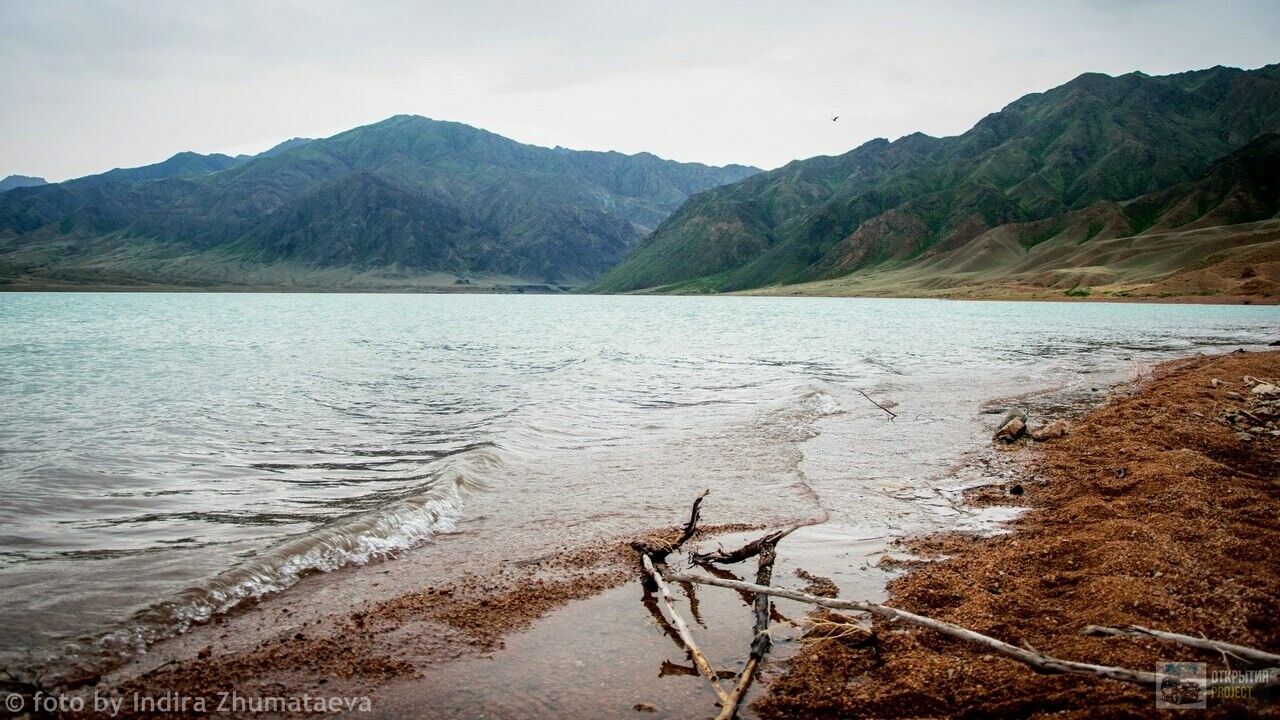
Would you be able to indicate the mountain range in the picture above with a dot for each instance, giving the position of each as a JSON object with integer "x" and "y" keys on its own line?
{"x": 1107, "y": 186}
{"x": 405, "y": 203}
{"x": 1097, "y": 182}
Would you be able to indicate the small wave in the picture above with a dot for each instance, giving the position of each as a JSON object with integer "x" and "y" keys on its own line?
{"x": 660, "y": 403}
{"x": 380, "y": 533}
{"x": 882, "y": 365}
{"x": 358, "y": 540}
{"x": 821, "y": 404}
{"x": 794, "y": 421}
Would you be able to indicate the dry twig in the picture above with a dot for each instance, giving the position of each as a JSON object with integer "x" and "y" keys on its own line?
{"x": 892, "y": 414}
{"x": 1247, "y": 654}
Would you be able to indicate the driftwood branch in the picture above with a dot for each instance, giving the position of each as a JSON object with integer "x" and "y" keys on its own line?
{"x": 692, "y": 526}
{"x": 764, "y": 576}
{"x": 1035, "y": 659}
{"x": 892, "y": 414}
{"x": 670, "y": 668}
{"x": 745, "y": 552}
{"x": 658, "y": 550}
{"x": 1248, "y": 654}
{"x": 766, "y": 549}
{"x": 652, "y": 555}
{"x": 682, "y": 627}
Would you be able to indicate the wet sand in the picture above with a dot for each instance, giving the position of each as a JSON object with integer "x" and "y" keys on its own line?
{"x": 286, "y": 647}
{"x": 1179, "y": 542}
{"x": 570, "y": 635}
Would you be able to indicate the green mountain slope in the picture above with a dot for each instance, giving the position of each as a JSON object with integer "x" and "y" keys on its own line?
{"x": 1216, "y": 235}
{"x": 404, "y": 198}
{"x": 180, "y": 165}
{"x": 883, "y": 205}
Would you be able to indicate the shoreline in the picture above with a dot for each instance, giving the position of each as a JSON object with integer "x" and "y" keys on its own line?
{"x": 404, "y": 644}
{"x": 1027, "y": 294}
{"x": 1153, "y": 511}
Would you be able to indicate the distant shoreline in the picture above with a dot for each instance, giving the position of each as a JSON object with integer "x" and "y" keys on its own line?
{"x": 1029, "y": 296}
{"x": 273, "y": 289}
{"x": 1032, "y": 294}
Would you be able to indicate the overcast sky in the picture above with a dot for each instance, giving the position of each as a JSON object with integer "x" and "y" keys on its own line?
{"x": 88, "y": 86}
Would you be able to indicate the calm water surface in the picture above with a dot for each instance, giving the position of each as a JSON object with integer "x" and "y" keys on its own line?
{"x": 163, "y": 457}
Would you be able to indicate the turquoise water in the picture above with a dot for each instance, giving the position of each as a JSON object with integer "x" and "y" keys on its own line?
{"x": 165, "y": 456}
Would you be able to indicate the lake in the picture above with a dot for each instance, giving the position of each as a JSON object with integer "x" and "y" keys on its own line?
{"x": 163, "y": 457}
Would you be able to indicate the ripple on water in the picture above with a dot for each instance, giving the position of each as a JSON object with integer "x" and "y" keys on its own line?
{"x": 165, "y": 456}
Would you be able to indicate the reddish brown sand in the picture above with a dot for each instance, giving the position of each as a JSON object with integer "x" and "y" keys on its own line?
{"x": 1153, "y": 511}
{"x": 359, "y": 654}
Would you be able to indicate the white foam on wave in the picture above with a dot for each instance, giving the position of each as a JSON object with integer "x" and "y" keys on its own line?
{"x": 795, "y": 419}
{"x": 359, "y": 540}
{"x": 376, "y": 536}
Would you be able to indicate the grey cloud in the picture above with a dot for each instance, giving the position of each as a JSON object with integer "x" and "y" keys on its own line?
{"x": 93, "y": 84}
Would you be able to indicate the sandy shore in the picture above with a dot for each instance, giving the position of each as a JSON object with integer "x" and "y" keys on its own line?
{"x": 1023, "y": 293}
{"x": 1153, "y": 511}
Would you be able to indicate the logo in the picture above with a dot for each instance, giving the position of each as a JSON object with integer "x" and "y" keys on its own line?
{"x": 1181, "y": 686}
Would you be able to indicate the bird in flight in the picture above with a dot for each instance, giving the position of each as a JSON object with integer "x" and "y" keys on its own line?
{"x": 835, "y": 118}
